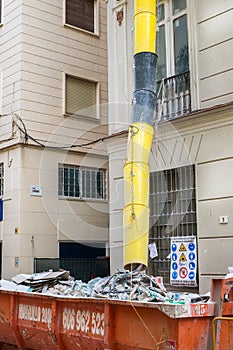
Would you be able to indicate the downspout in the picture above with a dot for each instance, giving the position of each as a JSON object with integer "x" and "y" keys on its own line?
{"x": 141, "y": 131}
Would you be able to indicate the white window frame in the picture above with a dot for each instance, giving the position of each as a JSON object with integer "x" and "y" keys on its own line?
{"x": 190, "y": 12}
{"x": 82, "y": 195}
{"x": 169, "y": 33}
{"x": 97, "y": 86}
{"x": 96, "y": 19}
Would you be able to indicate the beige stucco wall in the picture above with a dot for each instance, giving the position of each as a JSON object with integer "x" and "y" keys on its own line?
{"x": 50, "y": 50}
{"x": 215, "y": 48}
{"x": 37, "y": 50}
{"x": 207, "y": 137}
{"x": 203, "y": 139}
{"x": 45, "y": 220}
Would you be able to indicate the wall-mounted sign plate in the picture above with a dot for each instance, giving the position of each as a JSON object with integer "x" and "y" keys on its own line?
{"x": 36, "y": 190}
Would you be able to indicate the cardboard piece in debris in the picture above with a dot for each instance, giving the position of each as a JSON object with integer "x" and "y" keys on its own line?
{"x": 41, "y": 277}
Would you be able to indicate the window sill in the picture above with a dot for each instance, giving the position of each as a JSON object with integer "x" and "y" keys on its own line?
{"x": 95, "y": 34}
{"x": 83, "y": 199}
{"x": 78, "y": 116}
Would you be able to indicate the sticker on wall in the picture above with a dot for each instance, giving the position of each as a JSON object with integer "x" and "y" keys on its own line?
{"x": 36, "y": 190}
{"x": 183, "y": 261}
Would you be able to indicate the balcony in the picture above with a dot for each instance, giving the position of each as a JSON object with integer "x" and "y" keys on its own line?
{"x": 174, "y": 97}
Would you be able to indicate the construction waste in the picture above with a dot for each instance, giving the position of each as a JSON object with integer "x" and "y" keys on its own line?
{"x": 123, "y": 285}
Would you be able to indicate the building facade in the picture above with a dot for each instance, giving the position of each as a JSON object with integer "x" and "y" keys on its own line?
{"x": 191, "y": 163}
{"x": 54, "y": 93}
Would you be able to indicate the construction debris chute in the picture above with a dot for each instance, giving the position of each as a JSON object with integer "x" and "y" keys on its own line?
{"x": 141, "y": 131}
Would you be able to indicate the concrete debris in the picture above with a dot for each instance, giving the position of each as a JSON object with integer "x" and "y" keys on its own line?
{"x": 123, "y": 285}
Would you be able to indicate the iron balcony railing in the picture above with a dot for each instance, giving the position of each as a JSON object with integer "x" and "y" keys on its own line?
{"x": 174, "y": 97}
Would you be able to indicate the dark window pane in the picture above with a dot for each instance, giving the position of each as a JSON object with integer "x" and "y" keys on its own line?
{"x": 77, "y": 193}
{"x": 60, "y": 181}
{"x": 161, "y": 13}
{"x": 161, "y": 49}
{"x": 181, "y": 45}
{"x": 93, "y": 184}
{"x": 66, "y": 190}
{"x": 100, "y": 184}
{"x": 178, "y": 5}
{"x": 80, "y": 13}
{"x": 71, "y": 191}
{"x": 88, "y": 184}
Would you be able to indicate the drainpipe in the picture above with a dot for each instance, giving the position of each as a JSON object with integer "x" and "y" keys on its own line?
{"x": 141, "y": 131}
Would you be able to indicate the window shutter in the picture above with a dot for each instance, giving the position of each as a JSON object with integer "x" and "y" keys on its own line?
{"x": 81, "y": 97}
{"x": 80, "y": 13}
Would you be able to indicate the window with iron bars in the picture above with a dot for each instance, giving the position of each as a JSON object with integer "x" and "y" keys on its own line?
{"x": 81, "y": 182}
{"x": 1, "y": 179}
{"x": 172, "y": 213}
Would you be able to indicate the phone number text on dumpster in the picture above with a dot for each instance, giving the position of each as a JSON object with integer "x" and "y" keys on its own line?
{"x": 83, "y": 321}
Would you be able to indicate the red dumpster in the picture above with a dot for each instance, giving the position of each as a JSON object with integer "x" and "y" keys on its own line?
{"x": 222, "y": 293}
{"x": 35, "y": 321}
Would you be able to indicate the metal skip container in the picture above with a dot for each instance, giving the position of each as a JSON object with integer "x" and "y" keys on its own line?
{"x": 35, "y": 321}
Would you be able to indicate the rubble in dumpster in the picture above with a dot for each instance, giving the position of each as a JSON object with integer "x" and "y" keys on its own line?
{"x": 123, "y": 285}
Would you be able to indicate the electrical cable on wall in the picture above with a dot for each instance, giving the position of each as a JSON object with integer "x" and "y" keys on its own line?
{"x": 16, "y": 119}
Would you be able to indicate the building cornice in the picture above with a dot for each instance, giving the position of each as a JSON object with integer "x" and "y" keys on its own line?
{"x": 196, "y": 121}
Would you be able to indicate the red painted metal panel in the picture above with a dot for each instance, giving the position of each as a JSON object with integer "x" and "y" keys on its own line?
{"x": 7, "y": 334}
{"x": 81, "y": 323}
{"x": 34, "y": 321}
{"x": 222, "y": 291}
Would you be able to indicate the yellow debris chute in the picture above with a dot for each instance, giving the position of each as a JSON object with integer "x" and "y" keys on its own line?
{"x": 141, "y": 131}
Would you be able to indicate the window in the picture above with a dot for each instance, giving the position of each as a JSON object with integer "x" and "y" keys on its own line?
{"x": 172, "y": 212}
{"x": 81, "y": 14}
{"x": 172, "y": 39}
{"x": 81, "y": 182}
{"x": 81, "y": 97}
{"x": 1, "y": 179}
{"x": 173, "y": 62}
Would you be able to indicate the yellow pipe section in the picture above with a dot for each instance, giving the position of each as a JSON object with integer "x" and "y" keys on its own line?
{"x": 136, "y": 210}
{"x": 145, "y": 26}
{"x": 136, "y": 168}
